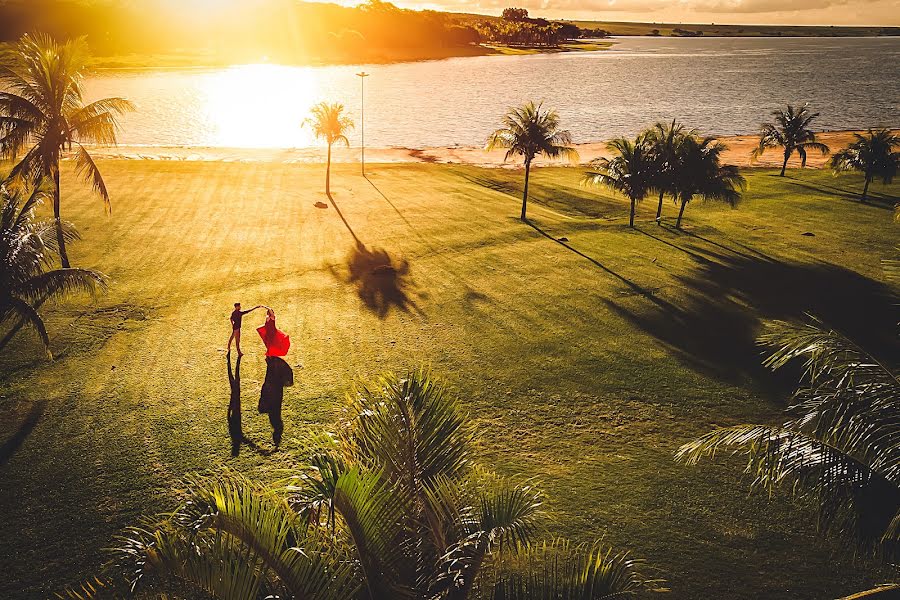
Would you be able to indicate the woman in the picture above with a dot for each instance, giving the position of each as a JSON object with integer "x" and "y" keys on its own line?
{"x": 277, "y": 342}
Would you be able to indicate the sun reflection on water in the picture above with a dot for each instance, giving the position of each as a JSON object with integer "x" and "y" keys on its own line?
{"x": 261, "y": 106}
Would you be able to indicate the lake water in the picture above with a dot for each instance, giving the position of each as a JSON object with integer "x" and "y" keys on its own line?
{"x": 722, "y": 86}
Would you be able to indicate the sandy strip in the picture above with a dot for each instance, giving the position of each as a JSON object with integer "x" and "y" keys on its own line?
{"x": 738, "y": 153}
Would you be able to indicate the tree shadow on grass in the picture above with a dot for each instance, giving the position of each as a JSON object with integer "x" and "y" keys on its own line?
{"x": 12, "y": 444}
{"x": 341, "y": 215}
{"x": 382, "y": 282}
{"x": 548, "y": 195}
{"x": 875, "y": 199}
{"x": 633, "y": 288}
{"x": 714, "y": 325}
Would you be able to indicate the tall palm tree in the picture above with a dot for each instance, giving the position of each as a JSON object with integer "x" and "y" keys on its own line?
{"x": 392, "y": 506}
{"x": 632, "y": 171}
{"x": 26, "y": 277}
{"x": 872, "y": 154}
{"x": 529, "y": 131}
{"x": 329, "y": 123}
{"x": 842, "y": 446}
{"x": 699, "y": 172}
{"x": 43, "y": 115}
{"x": 791, "y": 132}
{"x": 666, "y": 140}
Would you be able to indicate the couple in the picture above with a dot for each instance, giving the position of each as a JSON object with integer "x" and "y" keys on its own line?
{"x": 277, "y": 342}
{"x": 278, "y": 373}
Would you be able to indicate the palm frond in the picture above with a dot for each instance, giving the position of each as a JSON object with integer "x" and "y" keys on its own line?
{"x": 86, "y": 167}
{"x": 62, "y": 282}
{"x": 565, "y": 571}
{"x": 27, "y": 313}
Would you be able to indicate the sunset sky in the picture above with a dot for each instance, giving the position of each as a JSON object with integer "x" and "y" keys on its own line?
{"x": 786, "y": 12}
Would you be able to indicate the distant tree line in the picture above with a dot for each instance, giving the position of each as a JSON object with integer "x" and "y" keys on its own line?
{"x": 284, "y": 30}
{"x": 516, "y": 28}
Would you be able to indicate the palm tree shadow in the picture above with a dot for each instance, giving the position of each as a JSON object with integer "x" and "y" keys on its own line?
{"x": 633, "y": 288}
{"x": 235, "y": 430}
{"x": 381, "y": 281}
{"x": 9, "y": 447}
{"x": 341, "y": 215}
{"x": 715, "y": 324}
{"x": 876, "y": 199}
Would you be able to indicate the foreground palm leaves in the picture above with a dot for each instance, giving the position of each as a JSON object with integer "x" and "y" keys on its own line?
{"x": 842, "y": 447}
{"x": 27, "y": 249}
{"x": 392, "y": 506}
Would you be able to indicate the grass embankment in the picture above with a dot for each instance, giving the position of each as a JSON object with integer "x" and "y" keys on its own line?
{"x": 584, "y": 362}
{"x": 572, "y": 46}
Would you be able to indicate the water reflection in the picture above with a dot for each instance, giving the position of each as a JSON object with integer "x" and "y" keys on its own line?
{"x": 725, "y": 86}
{"x": 260, "y": 106}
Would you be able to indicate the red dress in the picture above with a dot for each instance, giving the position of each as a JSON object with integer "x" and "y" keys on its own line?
{"x": 277, "y": 342}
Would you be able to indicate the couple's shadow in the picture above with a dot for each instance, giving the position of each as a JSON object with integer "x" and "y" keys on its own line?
{"x": 235, "y": 429}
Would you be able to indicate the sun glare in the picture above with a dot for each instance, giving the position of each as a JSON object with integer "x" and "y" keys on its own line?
{"x": 258, "y": 106}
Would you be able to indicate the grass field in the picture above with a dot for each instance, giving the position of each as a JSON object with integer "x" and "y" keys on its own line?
{"x": 585, "y": 362}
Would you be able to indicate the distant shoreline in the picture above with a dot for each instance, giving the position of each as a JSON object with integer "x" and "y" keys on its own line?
{"x": 200, "y": 61}
{"x": 738, "y": 153}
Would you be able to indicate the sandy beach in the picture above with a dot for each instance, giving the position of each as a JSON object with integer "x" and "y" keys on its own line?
{"x": 738, "y": 153}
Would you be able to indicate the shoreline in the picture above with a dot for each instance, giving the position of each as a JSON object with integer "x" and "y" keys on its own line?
{"x": 738, "y": 153}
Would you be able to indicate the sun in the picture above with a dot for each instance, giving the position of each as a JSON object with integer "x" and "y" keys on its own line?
{"x": 261, "y": 105}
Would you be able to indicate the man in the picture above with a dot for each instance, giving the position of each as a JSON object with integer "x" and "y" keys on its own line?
{"x": 236, "y": 318}
{"x": 278, "y": 376}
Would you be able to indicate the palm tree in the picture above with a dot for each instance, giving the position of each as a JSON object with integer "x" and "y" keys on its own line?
{"x": 392, "y": 506}
{"x": 329, "y": 123}
{"x": 632, "y": 171}
{"x": 529, "y": 131}
{"x": 26, "y": 280}
{"x": 41, "y": 110}
{"x": 666, "y": 140}
{"x": 872, "y": 154}
{"x": 842, "y": 446}
{"x": 698, "y": 171}
{"x": 792, "y": 133}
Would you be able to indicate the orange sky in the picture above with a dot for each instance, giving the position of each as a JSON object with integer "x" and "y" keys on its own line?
{"x": 783, "y": 12}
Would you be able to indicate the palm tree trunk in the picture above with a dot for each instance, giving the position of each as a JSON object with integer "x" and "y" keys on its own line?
{"x": 631, "y": 217}
{"x": 680, "y": 214}
{"x": 865, "y": 193}
{"x": 659, "y": 210}
{"x": 328, "y": 172}
{"x": 787, "y": 155}
{"x": 60, "y": 238}
{"x": 525, "y": 194}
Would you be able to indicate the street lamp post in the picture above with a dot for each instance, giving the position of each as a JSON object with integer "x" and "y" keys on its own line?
{"x": 362, "y": 121}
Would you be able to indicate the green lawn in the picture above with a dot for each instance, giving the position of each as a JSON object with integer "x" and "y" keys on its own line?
{"x": 585, "y": 362}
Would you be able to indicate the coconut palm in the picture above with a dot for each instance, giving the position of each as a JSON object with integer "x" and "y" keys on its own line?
{"x": 873, "y": 155}
{"x": 392, "y": 506}
{"x": 842, "y": 445}
{"x": 330, "y": 124}
{"x": 529, "y": 131}
{"x": 665, "y": 140}
{"x": 26, "y": 277}
{"x": 699, "y": 172}
{"x": 791, "y": 132}
{"x": 632, "y": 171}
{"x": 42, "y": 115}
